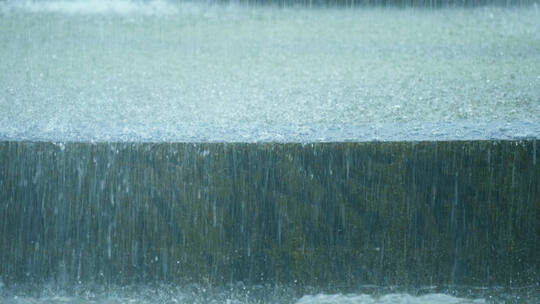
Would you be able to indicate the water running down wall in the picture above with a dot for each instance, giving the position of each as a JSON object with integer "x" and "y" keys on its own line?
{"x": 429, "y": 213}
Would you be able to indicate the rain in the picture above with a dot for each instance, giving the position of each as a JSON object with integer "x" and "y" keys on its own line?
{"x": 269, "y": 152}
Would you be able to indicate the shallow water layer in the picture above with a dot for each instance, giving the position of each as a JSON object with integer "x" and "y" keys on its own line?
{"x": 241, "y": 294}
{"x": 163, "y": 71}
{"x": 316, "y": 299}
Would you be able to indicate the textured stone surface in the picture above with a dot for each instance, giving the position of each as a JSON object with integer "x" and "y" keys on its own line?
{"x": 157, "y": 71}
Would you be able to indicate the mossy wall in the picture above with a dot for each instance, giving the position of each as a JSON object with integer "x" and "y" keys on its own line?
{"x": 315, "y": 214}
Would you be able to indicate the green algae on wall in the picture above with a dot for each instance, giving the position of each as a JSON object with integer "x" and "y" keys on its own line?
{"x": 321, "y": 214}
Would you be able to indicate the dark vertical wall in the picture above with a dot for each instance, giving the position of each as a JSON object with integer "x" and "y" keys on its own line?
{"x": 332, "y": 213}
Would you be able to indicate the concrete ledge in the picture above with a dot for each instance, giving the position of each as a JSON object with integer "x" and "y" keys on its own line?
{"x": 405, "y": 213}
